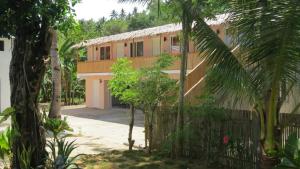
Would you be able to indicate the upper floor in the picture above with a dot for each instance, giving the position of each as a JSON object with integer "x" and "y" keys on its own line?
{"x": 142, "y": 46}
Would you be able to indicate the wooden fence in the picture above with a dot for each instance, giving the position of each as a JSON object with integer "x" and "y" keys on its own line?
{"x": 204, "y": 136}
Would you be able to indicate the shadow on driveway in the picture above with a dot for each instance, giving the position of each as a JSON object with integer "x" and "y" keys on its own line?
{"x": 114, "y": 115}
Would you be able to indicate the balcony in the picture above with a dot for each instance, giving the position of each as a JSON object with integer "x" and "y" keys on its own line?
{"x": 104, "y": 66}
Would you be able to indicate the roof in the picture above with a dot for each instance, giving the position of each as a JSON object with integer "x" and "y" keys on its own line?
{"x": 169, "y": 28}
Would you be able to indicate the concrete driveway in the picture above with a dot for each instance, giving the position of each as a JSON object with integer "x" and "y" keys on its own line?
{"x": 98, "y": 131}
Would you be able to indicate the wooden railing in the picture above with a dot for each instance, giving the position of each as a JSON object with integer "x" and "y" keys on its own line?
{"x": 104, "y": 66}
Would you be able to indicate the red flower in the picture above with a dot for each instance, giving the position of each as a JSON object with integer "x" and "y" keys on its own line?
{"x": 225, "y": 140}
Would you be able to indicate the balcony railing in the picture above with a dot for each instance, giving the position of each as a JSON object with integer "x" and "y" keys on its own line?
{"x": 104, "y": 66}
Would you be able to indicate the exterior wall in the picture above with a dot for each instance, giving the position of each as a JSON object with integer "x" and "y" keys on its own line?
{"x": 103, "y": 101}
{"x": 4, "y": 74}
{"x": 97, "y": 93}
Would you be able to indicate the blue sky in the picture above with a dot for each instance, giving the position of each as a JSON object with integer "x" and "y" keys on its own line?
{"x": 95, "y": 9}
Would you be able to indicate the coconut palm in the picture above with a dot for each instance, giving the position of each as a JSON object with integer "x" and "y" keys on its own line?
{"x": 114, "y": 14}
{"x": 264, "y": 70}
{"x": 68, "y": 56}
{"x": 54, "y": 111}
{"x": 187, "y": 11}
{"x": 122, "y": 14}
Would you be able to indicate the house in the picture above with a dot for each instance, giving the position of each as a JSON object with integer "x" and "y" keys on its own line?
{"x": 140, "y": 47}
{"x": 5, "y": 55}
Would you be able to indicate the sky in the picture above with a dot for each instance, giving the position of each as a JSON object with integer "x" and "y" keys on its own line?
{"x": 96, "y": 9}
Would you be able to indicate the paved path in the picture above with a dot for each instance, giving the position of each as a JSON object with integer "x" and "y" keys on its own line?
{"x": 97, "y": 130}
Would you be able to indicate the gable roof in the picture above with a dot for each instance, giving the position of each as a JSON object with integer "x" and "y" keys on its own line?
{"x": 169, "y": 28}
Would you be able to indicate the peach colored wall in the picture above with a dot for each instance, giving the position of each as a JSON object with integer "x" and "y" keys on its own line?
{"x": 94, "y": 54}
{"x": 105, "y": 99}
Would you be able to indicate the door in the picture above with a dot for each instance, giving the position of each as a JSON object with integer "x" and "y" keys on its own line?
{"x": 120, "y": 50}
{"x": 156, "y": 46}
{"x": 96, "y": 94}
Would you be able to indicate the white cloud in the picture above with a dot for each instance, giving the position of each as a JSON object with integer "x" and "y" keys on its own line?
{"x": 96, "y": 9}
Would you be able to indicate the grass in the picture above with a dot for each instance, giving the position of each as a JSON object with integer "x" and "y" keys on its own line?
{"x": 134, "y": 160}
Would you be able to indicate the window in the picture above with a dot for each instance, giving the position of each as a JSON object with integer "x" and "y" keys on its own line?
{"x": 137, "y": 49}
{"x": 105, "y": 53}
{"x": 175, "y": 44}
{"x": 1, "y": 45}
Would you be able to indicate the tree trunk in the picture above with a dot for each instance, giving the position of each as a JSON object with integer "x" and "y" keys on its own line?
{"x": 146, "y": 123}
{"x": 183, "y": 67}
{"x": 56, "y": 80}
{"x": 27, "y": 69}
{"x": 131, "y": 123}
{"x": 150, "y": 137}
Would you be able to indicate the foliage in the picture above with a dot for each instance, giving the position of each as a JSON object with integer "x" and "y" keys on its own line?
{"x": 208, "y": 109}
{"x": 6, "y": 114}
{"x": 56, "y": 126}
{"x": 60, "y": 149}
{"x": 155, "y": 88}
{"x": 291, "y": 153}
{"x": 124, "y": 82}
{"x": 62, "y": 159}
{"x": 25, "y": 157}
{"x": 264, "y": 69}
{"x": 117, "y": 26}
{"x": 29, "y": 23}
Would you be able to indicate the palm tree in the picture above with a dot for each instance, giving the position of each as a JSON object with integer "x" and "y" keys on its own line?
{"x": 113, "y": 14}
{"x": 122, "y": 14}
{"x": 264, "y": 70}
{"x": 187, "y": 10}
{"x": 68, "y": 57}
{"x": 54, "y": 111}
{"x": 135, "y": 11}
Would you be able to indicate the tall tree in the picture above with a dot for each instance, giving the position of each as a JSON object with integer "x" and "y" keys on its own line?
{"x": 123, "y": 86}
{"x": 55, "y": 105}
{"x": 114, "y": 14}
{"x": 29, "y": 23}
{"x": 154, "y": 88}
{"x": 187, "y": 11}
{"x": 264, "y": 70}
{"x": 122, "y": 14}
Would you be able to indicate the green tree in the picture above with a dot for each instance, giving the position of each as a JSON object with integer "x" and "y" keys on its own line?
{"x": 29, "y": 23}
{"x": 122, "y": 14}
{"x": 123, "y": 86}
{"x": 264, "y": 69}
{"x": 115, "y": 26}
{"x": 187, "y": 11}
{"x": 114, "y": 14}
{"x": 154, "y": 88}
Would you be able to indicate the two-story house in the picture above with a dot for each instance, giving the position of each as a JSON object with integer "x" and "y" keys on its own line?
{"x": 5, "y": 55}
{"x": 140, "y": 47}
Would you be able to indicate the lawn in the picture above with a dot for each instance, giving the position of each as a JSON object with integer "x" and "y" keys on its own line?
{"x": 134, "y": 160}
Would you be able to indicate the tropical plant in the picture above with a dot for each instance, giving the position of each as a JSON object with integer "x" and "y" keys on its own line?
{"x": 54, "y": 111}
{"x": 68, "y": 56}
{"x": 188, "y": 11}
{"x": 122, "y": 14}
{"x": 291, "y": 153}
{"x": 25, "y": 158}
{"x": 61, "y": 157}
{"x": 123, "y": 86}
{"x": 60, "y": 149}
{"x": 114, "y": 14}
{"x": 154, "y": 89}
{"x": 265, "y": 68}
{"x": 56, "y": 126}
{"x": 29, "y": 23}
{"x": 5, "y": 145}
